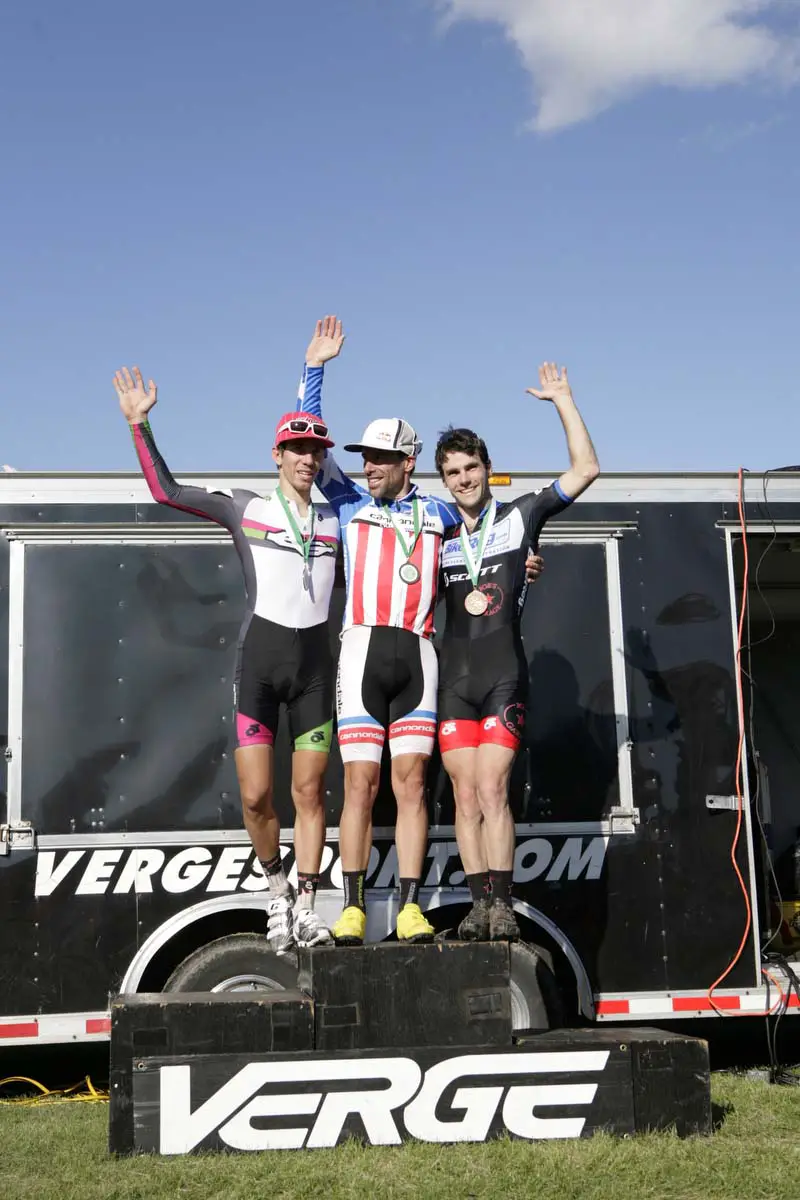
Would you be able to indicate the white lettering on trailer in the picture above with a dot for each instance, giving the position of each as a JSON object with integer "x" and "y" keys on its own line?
{"x": 228, "y": 870}
{"x": 577, "y": 861}
{"x": 187, "y": 869}
{"x": 97, "y": 876}
{"x": 137, "y": 874}
{"x": 238, "y": 1110}
{"x": 48, "y": 875}
{"x": 192, "y": 868}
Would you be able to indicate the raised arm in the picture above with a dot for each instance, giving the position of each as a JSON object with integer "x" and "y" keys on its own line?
{"x": 326, "y": 344}
{"x": 136, "y": 402}
{"x": 337, "y": 488}
{"x": 584, "y": 467}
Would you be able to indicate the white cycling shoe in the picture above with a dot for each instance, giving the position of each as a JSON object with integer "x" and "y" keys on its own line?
{"x": 310, "y": 929}
{"x": 280, "y": 928}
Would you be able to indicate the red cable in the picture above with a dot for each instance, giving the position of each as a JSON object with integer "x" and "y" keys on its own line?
{"x": 739, "y": 757}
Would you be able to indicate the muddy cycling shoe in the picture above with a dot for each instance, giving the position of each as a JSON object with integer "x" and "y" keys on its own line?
{"x": 280, "y": 929}
{"x": 310, "y": 929}
{"x": 475, "y": 926}
{"x": 412, "y": 925}
{"x": 503, "y": 925}
{"x": 349, "y": 930}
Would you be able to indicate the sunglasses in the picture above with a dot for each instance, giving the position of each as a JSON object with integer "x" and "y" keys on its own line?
{"x": 301, "y": 425}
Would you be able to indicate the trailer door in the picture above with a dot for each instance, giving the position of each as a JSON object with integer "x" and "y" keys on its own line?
{"x": 575, "y": 768}
{"x": 123, "y": 645}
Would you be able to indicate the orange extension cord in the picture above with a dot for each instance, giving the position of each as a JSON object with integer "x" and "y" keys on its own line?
{"x": 739, "y": 790}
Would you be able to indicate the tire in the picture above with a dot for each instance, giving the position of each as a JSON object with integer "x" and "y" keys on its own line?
{"x": 240, "y": 962}
{"x": 535, "y": 997}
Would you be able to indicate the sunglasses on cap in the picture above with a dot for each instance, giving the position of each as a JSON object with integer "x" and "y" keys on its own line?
{"x": 303, "y": 425}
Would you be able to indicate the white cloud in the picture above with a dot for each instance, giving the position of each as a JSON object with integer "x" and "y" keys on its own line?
{"x": 585, "y": 55}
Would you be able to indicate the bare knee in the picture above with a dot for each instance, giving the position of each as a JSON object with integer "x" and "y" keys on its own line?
{"x": 465, "y": 794}
{"x": 361, "y": 785}
{"x": 307, "y": 793}
{"x": 408, "y": 780}
{"x": 492, "y": 794}
{"x": 257, "y": 803}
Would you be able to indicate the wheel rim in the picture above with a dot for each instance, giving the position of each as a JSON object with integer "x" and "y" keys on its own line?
{"x": 520, "y": 1009}
{"x": 248, "y": 983}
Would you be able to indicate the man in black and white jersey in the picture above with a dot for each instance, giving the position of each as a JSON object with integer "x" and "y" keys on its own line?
{"x": 483, "y": 672}
{"x": 287, "y": 546}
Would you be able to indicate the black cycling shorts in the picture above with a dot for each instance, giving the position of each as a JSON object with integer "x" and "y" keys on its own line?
{"x": 294, "y": 667}
{"x": 483, "y": 689}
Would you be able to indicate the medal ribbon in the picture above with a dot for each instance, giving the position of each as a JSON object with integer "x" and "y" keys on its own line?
{"x": 473, "y": 565}
{"x": 415, "y": 508}
{"x": 304, "y": 544}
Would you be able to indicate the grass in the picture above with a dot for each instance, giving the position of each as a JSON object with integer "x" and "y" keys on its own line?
{"x": 59, "y": 1151}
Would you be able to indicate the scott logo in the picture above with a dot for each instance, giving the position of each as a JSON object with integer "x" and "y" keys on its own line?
{"x": 397, "y": 1100}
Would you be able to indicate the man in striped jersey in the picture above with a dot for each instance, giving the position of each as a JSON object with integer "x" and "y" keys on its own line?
{"x": 388, "y": 672}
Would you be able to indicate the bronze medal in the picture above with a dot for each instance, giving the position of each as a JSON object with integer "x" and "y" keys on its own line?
{"x": 476, "y": 603}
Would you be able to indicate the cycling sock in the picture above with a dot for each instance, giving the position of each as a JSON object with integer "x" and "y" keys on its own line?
{"x": 306, "y": 889}
{"x": 277, "y": 882}
{"x": 479, "y": 886}
{"x": 500, "y": 884}
{"x": 354, "y": 889}
{"x": 409, "y": 892}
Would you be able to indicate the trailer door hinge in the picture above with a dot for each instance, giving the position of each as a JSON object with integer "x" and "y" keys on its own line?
{"x": 17, "y": 835}
{"x": 623, "y": 820}
{"x": 722, "y": 803}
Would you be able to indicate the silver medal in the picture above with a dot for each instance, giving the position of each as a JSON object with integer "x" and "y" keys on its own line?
{"x": 476, "y": 603}
{"x": 409, "y": 573}
{"x": 306, "y": 577}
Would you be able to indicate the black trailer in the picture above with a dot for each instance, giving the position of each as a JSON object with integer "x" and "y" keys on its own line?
{"x": 656, "y": 880}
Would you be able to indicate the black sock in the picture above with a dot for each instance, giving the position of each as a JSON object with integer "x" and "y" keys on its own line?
{"x": 500, "y": 884}
{"x": 479, "y": 886}
{"x": 277, "y": 882}
{"x": 306, "y": 889}
{"x": 409, "y": 892}
{"x": 354, "y": 889}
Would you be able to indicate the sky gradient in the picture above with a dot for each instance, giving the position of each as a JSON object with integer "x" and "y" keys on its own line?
{"x": 189, "y": 185}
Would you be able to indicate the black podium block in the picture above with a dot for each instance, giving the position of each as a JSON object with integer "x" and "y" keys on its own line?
{"x": 194, "y": 1023}
{"x": 390, "y": 995}
{"x": 567, "y": 1083}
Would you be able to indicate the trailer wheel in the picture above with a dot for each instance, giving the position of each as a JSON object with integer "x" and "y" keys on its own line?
{"x": 240, "y": 962}
{"x": 535, "y": 997}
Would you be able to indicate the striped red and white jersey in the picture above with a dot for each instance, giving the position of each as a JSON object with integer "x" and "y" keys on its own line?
{"x": 376, "y": 595}
{"x": 373, "y": 555}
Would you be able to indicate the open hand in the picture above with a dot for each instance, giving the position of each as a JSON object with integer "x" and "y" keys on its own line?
{"x": 135, "y": 399}
{"x": 326, "y": 343}
{"x": 553, "y": 384}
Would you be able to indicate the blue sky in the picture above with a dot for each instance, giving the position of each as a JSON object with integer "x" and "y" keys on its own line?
{"x": 188, "y": 184}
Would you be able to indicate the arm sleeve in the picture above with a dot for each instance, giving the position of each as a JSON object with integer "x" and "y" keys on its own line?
{"x": 337, "y": 488}
{"x": 538, "y": 507}
{"x": 448, "y": 512}
{"x": 309, "y": 394}
{"x": 218, "y": 506}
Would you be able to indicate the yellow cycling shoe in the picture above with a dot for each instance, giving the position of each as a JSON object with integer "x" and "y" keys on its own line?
{"x": 412, "y": 925}
{"x": 350, "y": 928}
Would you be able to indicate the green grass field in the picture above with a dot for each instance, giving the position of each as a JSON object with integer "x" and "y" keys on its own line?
{"x": 59, "y": 1151}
